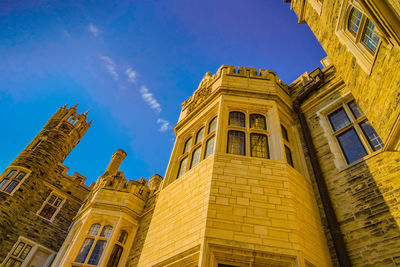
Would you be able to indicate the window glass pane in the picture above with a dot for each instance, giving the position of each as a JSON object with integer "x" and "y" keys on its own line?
{"x": 200, "y": 135}
{"x": 48, "y": 211}
{"x": 57, "y": 202}
{"x": 25, "y": 252}
{"x": 354, "y": 21}
{"x": 257, "y": 121}
{"x": 236, "y": 143}
{"x": 115, "y": 256}
{"x": 20, "y": 175}
{"x": 351, "y": 145}
{"x": 237, "y": 119}
{"x": 10, "y": 187}
{"x": 369, "y": 37}
{"x": 106, "y": 232}
{"x": 18, "y": 249}
{"x": 284, "y": 133}
{"x": 188, "y": 145}
{"x": 86, "y": 246}
{"x": 52, "y": 198}
{"x": 11, "y": 173}
{"x": 212, "y": 125}
{"x": 355, "y": 109}
{"x": 338, "y": 119}
{"x": 123, "y": 235}
{"x": 94, "y": 229}
{"x": 3, "y": 183}
{"x": 288, "y": 154}
{"x": 97, "y": 252}
{"x": 210, "y": 146}
{"x": 372, "y": 136}
{"x": 259, "y": 145}
{"x": 196, "y": 157}
{"x": 12, "y": 263}
{"x": 182, "y": 167}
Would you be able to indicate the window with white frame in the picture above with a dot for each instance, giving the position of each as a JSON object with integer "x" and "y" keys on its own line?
{"x": 358, "y": 32}
{"x": 26, "y": 252}
{"x": 353, "y": 132}
{"x": 94, "y": 245}
{"x": 51, "y": 206}
{"x": 197, "y": 147}
{"x": 12, "y": 179}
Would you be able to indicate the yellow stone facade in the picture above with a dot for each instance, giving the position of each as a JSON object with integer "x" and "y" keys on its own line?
{"x": 259, "y": 174}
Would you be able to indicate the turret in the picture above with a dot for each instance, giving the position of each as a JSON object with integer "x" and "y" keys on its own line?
{"x": 115, "y": 162}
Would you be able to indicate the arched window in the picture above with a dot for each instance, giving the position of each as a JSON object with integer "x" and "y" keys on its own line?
{"x": 257, "y": 121}
{"x": 99, "y": 241}
{"x": 237, "y": 118}
{"x": 196, "y": 157}
{"x": 209, "y": 146}
{"x": 259, "y": 145}
{"x": 188, "y": 145}
{"x": 199, "y": 135}
{"x": 182, "y": 166}
{"x": 236, "y": 143}
{"x": 212, "y": 125}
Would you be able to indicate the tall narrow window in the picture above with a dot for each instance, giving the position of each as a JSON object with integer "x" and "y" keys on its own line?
{"x": 188, "y": 145}
{"x": 12, "y": 180}
{"x": 288, "y": 155}
{"x": 196, "y": 157}
{"x": 212, "y": 125}
{"x": 284, "y": 133}
{"x": 237, "y": 118}
{"x": 210, "y": 146}
{"x": 257, "y": 121}
{"x": 355, "y": 135}
{"x": 51, "y": 206}
{"x": 236, "y": 143}
{"x": 99, "y": 239}
{"x": 117, "y": 249}
{"x": 199, "y": 135}
{"x": 259, "y": 145}
{"x": 182, "y": 166}
{"x": 354, "y": 21}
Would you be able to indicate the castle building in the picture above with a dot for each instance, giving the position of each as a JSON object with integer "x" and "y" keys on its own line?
{"x": 261, "y": 173}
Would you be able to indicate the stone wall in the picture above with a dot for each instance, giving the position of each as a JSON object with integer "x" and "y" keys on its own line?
{"x": 364, "y": 193}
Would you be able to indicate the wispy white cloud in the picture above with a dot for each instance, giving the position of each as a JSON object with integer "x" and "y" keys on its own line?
{"x": 111, "y": 66}
{"x": 164, "y": 125}
{"x": 131, "y": 75}
{"x": 150, "y": 100}
{"x": 93, "y": 29}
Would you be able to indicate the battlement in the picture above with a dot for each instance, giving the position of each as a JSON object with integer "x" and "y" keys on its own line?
{"x": 204, "y": 88}
{"x": 76, "y": 178}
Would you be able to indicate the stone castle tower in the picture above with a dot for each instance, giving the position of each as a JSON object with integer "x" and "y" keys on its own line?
{"x": 261, "y": 173}
{"x": 38, "y": 198}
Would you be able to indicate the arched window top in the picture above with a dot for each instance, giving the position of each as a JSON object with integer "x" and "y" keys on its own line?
{"x": 94, "y": 229}
{"x": 354, "y": 21}
{"x": 237, "y": 118}
{"x": 257, "y": 121}
{"x": 212, "y": 125}
{"x": 106, "y": 232}
{"x": 123, "y": 236}
{"x": 188, "y": 145}
{"x": 199, "y": 135}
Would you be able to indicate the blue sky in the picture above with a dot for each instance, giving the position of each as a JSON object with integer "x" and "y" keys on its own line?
{"x": 132, "y": 64}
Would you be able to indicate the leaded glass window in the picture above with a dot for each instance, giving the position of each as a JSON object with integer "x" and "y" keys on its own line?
{"x": 209, "y": 146}
{"x": 182, "y": 166}
{"x": 259, "y": 145}
{"x": 354, "y": 21}
{"x": 51, "y": 206}
{"x": 212, "y": 125}
{"x": 237, "y": 118}
{"x": 339, "y": 119}
{"x": 369, "y": 37}
{"x": 373, "y": 139}
{"x": 236, "y": 143}
{"x": 196, "y": 156}
{"x": 11, "y": 181}
{"x": 199, "y": 135}
{"x": 188, "y": 145}
{"x": 257, "y": 121}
